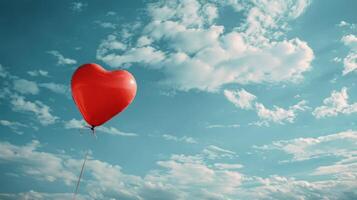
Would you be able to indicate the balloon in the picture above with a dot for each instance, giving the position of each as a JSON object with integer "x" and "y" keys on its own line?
{"x": 100, "y": 94}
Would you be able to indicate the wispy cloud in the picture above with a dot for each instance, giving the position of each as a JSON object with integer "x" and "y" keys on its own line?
{"x": 223, "y": 126}
{"x": 278, "y": 114}
{"x": 146, "y": 54}
{"x": 214, "y": 152}
{"x": 110, "y": 43}
{"x": 106, "y": 24}
{"x": 61, "y": 60}
{"x": 184, "y": 139}
{"x": 341, "y": 172}
{"x": 41, "y": 196}
{"x": 78, "y": 6}
{"x": 41, "y": 111}
{"x": 347, "y": 24}
{"x": 191, "y": 171}
{"x": 335, "y": 104}
{"x": 13, "y": 125}
{"x": 56, "y": 87}
{"x": 41, "y": 165}
{"x": 180, "y": 176}
{"x": 245, "y": 100}
{"x": 350, "y": 61}
{"x": 24, "y": 86}
{"x": 39, "y": 72}
{"x": 16, "y": 91}
{"x": 80, "y": 124}
{"x": 58, "y": 167}
{"x": 338, "y": 144}
{"x": 111, "y": 13}
{"x": 240, "y": 98}
{"x": 224, "y": 166}
{"x": 114, "y": 131}
{"x": 104, "y": 179}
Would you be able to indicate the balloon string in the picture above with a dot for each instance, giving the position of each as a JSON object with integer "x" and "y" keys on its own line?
{"x": 83, "y": 165}
{"x": 80, "y": 175}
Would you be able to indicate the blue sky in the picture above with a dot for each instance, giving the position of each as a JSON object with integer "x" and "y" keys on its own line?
{"x": 236, "y": 99}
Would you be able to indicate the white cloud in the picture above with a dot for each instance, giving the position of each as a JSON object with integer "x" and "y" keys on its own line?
{"x": 195, "y": 53}
{"x": 228, "y": 166}
{"x": 55, "y": 87}
{"x": 184, "y": 139}
{"x": 114, "y": 131}
{"x": 44, "y": 166}
{"x": 338, "y": 144}
{"x": 343, "y": 23}
{"x": 245, "y": 100}
{"x": 106, "y": 24}
{"x": 13, "y": 94}
{"x": 203, "y": 180}
{"x": 278, "y": 114}
{"x": 179, "y": 177}
{"x": 335, "y": 104}
{"x": 61, "y": 60}
{"x": 240, "y": 98}
{"x": 26, "y": 87}
{"x": 13, "y": 125}
{"x": 214, "y": 152}
{"x": 350, "y": 41}
{"x": 350, "y": 27}
{"x": 8, "y": 123}
{"x": 40, "y": 110}
{"x": 144, "y": 41}
{"x": 265, "y": 19}
{"x": 280, "y": 187}
{"x": 38, "y": 73}
{"x": 41, "y": 196}
{"x": 80, "y": 124}
{"x": 350, "y": 61}
{"x": 223, "y": 126}
{"x": 182, "y": 39}
{"x": 338, "y": 175}
{"x": 74, "y": 124}
{"x": 111, "y": 43}
{"x": 186, "y": 11}
{"x": 210, "y": 11}
{"x": 78, "y": 6}
{"x": 337, "y": 59}
{"x": 142, "y": 54}
{"x": 111, "y": 13}
{"x": 342, "y": 169}
{"x": 50, "y": 167}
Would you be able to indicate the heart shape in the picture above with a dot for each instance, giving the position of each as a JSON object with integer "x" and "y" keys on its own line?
{"x": 100, "y": 94}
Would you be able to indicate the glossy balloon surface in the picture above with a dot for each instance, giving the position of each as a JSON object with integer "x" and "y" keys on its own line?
{"x": 100, "y": 94}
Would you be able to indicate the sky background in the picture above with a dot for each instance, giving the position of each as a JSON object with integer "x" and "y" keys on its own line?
{"x": 236, "y": 99}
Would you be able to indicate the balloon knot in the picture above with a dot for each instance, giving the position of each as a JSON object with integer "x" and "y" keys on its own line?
{"x": 93, "y": 130}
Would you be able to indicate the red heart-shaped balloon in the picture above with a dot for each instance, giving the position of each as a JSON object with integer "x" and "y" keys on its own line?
{"x": 100, "y": 94}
